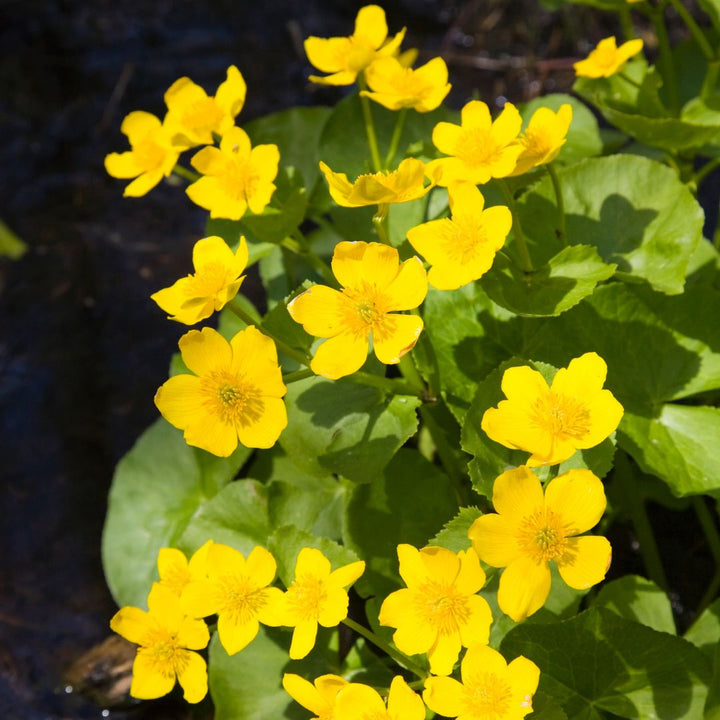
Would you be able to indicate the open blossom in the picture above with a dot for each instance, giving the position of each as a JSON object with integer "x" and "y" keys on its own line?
{"x": 345, "y": 57}
{"x": 480, "y": 149}
{"x": 193, "y": 116}
{"x": 439, "y": 612}
{"x": 397, "y": 86}
{"x": 237, "y": 176}
{"x": 574, "y": 413}
{"x": 166, "y": 637}
{"x": 374, "y": 285}
{"x": 237, "y": 590}
{"x": 461, "y": 248}
{"x": 543, "y": 138}
{"x": 152, "y": 155}
{"x": 318, "y": 697}
{"x": 216, "y": 281}
{"x": 396, "y": 186}
{"x": 234, "y": 395}
{"x": 529, "y": 530}
{"x": 607, "y": 58}
{"x": 176, "y": 571}
{"x": 491, "y": 688}
{"x": 361, "y": 702}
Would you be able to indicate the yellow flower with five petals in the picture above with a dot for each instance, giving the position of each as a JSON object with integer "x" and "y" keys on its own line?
{"x": 361, "y": 702}
{"x": 529, "y": 530}
{"x": 607, "y": 58}
{"x": 543, "y": 138}
{"x": 318, "y": 697}
{"x": 176, "y": 571}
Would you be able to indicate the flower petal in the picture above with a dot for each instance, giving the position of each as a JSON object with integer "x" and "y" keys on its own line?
{"x": 261, "y": 566}
{"x": 480, "y": 660}
{"x": 230, "y": 96}
{"x": 471, "y": 576}
{"x": 517, "y": 493}
{"x": 204, "y": 351}
{"x": 585, "y": 562}
{"x": 234, "y": 635}
{"x": 192, "y": 634}
{"x": 403, "y": 703}
{"x": 132, "y": 623}
{"x": 358, "y": 702}
{"x": 371, "y": 25}
{"x": 413, "y": 570}
{"x": 409, "y": 287}
{"x": 476, "y": 629}
{"x": 263, "y": 431}
{"x": 273, "y": 611}
{"x": 578, "y": 497}
{"x": 340, "y": 355}
{"x": 445, "y": 137}
{"x": 524, "y": 588}
{"x": 303, "y": 639}
{"x": 304, "y": 693}
{"x": 444, "y": 653}
{"x": 149, "y": 680}
{"x": 320, "y": 310}
{"x": 347, "y": 574}
{"x": 444, "y": 696}
{"x": 494, "y": 538}
{"x": 396, "y": 337}
{"x": 213, "y": 434}
{"x": 193, "y": 678}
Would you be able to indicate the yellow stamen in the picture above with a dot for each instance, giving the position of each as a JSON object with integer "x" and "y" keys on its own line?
{"x": 561, "y": 415}
{"x": 441, "y": 606}
{"x": 306, "y": 596}
{"x": 487, "y": 696}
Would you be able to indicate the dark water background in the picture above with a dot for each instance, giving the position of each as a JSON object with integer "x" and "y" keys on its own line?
{"x": 82, "y": 348}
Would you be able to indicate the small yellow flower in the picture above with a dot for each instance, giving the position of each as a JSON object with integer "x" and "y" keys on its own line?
{"x": 543, "y": 138}
{"x": 380, "y": 188}
{"x": 575, "y": 413}
{"x": 152, "y": 157}
{"x": 217, "y": 279}
{"x": 461, "y": 248}
{"x": 439, "y": 612}
{"x": 193, "y": 116}
{"x": 318, "y": 697}
{"x": 361, "y": 702}
{"x": 374, "y": 285}
{"x": 237, "y": 176}
{"x": 237, "y": 591}
{"x": 531, "y": 529}
{"x": 480, "y": 149}
{"x": 235, "y": 394}
{"x": 607, "y": 58}
{"x": 491, "y": 689}
{"x": 316, "y": 595}
{"x": 175, "y": 570}
{"x": 167, "y": 637}
{"x": 396, "y": 86}
{"x": 345, "y": 57}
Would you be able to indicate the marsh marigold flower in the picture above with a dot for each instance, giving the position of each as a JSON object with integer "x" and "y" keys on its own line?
{"x": 176, "y": 571}
{"x": 318, "y": 697}
{"x": 361, "y": 702}
{"x": 461, "y": 248}
{"x": 480, "y": 148}
{"x": 607, "y": 58}
{"x": 237, "y": 590}
{"x": 316, "y": 596}
{"x": 374, "y": 285}
{"x": 236, "y": 177}
{"x": 530, "y": 529}
{"x": 439, "y": 612}
{"x": 216, "y": 281}
{"x": 167, "y": 637}
{"x": 235, "y": 394}
{"x": 152, "y": 155}
{"x": 193, "y": 116}
{"x": 380, "y": 188}
{"x": 345, "y": 57}
{"x": 574, "y": 413}
{"x": 396, "y": 86}
{"x": 543, "y": 138}
{"x": 491, "y": 689}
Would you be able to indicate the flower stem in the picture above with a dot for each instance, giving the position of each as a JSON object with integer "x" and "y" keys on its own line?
{"x": 562, "y": 237}
{"x": 300, "y": 246}
{"x": 397, "y": 132}
{"x": 183, "y": 172}
{"x": 626, "y": 23}
{"x": 666, "y": 59}
{"x": 389, "y": 385}
{"x": 411, "y": 375}
{"x": 713, "y": 539}
{"x": 646, "y": 541}
{"x": 705, "y": 170}
{"x": 400, "y": 658}
{"x": 296, "y": 375}
{"x": 694, "y": 29}
{"x": 380, "y": 222}
{"x": 525, "y": 261}
{"x": 370, "y": 127}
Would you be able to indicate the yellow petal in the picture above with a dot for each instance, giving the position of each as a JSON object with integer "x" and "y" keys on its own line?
{"x": 510, "y": 425}
{"x": 193, "y": 678}
{"x": 230, "y": 96}
{"x": 347, "y": 574}
{"x": 476, "y": 114}
{"x": 205, "y": 351}
{"x": 200, "y": 598}
{"x": 524, "y": 676}
{"x": 148, "y": 681}
{"x": 132, "y": 623}
{"x": 403, "y": 703}
{"x": 255, "y": 359}
{"x": 605, "y": 415}
{"x": 523, "y": 385}
{"x": 346, "y": 77}
{"x": 122, "y": 165}
{"x": 137, "y": 125}
{"x": 312, "y": 562}
{"x": 444, "y": 654}
{"x": 584, "y": 376}
{"x": 507, "y": 125}
{"x": 327, "y": 54}
{"x": 173, "y": 569}
{"x": 209, "y": 161}
{"x": 413, "y": 570}
{"x": 192, "y": 634}
{"x": 442, "y": 564}
{"x": 320, "y": 310}
{"x": 304, "y": 693}
{"x": 340, "y": 355}
{"x": 444, "y": 696}
{"x": 335, "y": 607}
{"x": 371, "y": 26}
{"x": 212, "y": 250}
{"x": 494, "y": 538}
{"x": 476, "y": 629}
{"x": 578, "y": 497}
{"x": 359, "y": 702}
{"x": 409, "y": 287}
{"x": 481, "y": 660}
{"x": 517, "y": 493}
{"x": 445, "y": 136}
{"x": 272, "y": 612}
{"x": 223, "y": 560}
{"x": 471, "y": 576}
{"x": 355, "y": 263}
{"x": 585, "y": 562}
{"x": 394, "y": 609}
{"x": 234, "y": 635}
{"x": 212, "y": 434}
{"x": 524, "y": 588}
{"x": 261, "y": 566}
{"x": 264, "y": 431}
{"x": 303, "y": 639}
{"x": 179, "y": 401}
{"x": 143, "y": 184}
{"x": 396, "y": 337}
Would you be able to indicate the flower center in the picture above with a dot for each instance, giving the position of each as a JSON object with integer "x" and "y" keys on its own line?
{"x": 240, "y": 598}
{"x": 306, "y": 597}
{"x": 537, "y": 142}
{"x": 209, "y": 280}
{"x": 149, "y": 155}
{"x": 561, "y": 415}
{"x": 164, "y": 653}
{"x": 476, "y": 148}
{"x": 203, "y": 116}
{"x": 366, "y": 310}
{"x": 231, "y": 398}
{"x": 177, "y": 576}
{"x": 605, "y": 57}
{"x": 462, "y": 239}
{"x": 487, "y": 696}
{"x": 543, "y": 537}
{"x": 240, "y": 180}
{"x": 442, "y": 607}
{"x": 359, "y": 54}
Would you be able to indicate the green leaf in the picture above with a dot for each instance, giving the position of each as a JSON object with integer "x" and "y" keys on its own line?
{"x": 635, "y": 211}
{"x": 345, "y": 428}
{"x": 553, "y": 288}
{"x": 10, "y": 244}
{"x": 704, "y": 633}
{"x": 712, "y": 8}
{"x": 454, "y": 535}
{"x": 157, "y": 489}
{"x": 598, "y": 662}
{"x": 638, "y": 599}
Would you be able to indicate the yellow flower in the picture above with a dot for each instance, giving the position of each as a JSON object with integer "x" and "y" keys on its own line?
{"x": 175, "y": 570}
{"x": 152, "y": 157}
{"x": 543, "y": 138}
{"x": 552, "y": 422}
{"x": 235, "y": 394}
{"x": 193, "y": 116}
{"x": 237, "y": 590}
{"x": 439, "y": 612}
{"x": 396, "y": 86}
{"x": 607, "y": 58}
{"x": 396, "y": 186}
{"x": 491, "y": 689}
{"x": 345, "y": 57}
{"x": 217, "y": 279}
{"x": 480, "y": 148}
{"x": 316, "y": 595}
{"x": 531, "y": 529}
{"x": 361, "y": 702}
{"x": 318, "y": 697}
{"x": 374, "y": 285}
{"x": 461, "y": 248}
{"x": 167, "y": 637}
{"x": 237, "y": 176}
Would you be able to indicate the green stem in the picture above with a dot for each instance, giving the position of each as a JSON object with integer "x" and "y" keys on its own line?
{"x": 400, "y": 658}
{"x": 388, "y": 385}
{"x": 709, "y": 528}
{"x": 370, "y": 127}
{"x": 296, "y": 375}
{"x": 397, "y": 132}
{"x": 300, "y": 246}
{"x": 562, "y": 237}
{"x": 693, "y": 27}
{"x": 626, "y": 23}
{"x": 183, "y": 172}
{"x": 705, "y": 170}
{"x": 411, "y": 375}
{"x": 525, "y": 261}
{"x": 710, "y": 81}
{"x": 646, "y": 540}
{"x": 666, "y": 59}
{"x": 380, "y": 223}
